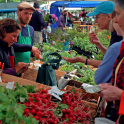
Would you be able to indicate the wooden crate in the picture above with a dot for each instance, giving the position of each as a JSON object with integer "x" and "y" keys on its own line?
{"x": 58, "y": 78}
{"x": 60, "y": 73}
{"x": 80, "y": 91}
{"x": 91, "y": 67}
{"x": 10, "y": 78}
{"x": 86, "y": 97}
{"x": 75, "y": 83}
{"x": 77, "y": 22}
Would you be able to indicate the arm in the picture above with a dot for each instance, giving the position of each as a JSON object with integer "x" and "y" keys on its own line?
{"x": 10, "y": 71}
{"x": 94, "y": 63}
{"x": 41, "y": 21}
{"x": 102, "y": 48}
{"x": 22, "y": 47}
{"x": 25, "y": 47}
{"x": 94, "y": 39}
{"x": 13, "y": 71}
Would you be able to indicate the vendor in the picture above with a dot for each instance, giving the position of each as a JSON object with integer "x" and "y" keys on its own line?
{"x": 24, "y": 45}
{"x": 115, "y": 92}
{"x": 9, "y": 31}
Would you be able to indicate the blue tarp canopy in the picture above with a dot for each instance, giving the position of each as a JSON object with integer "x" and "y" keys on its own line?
{"x": 77, "y": 4}
{"x": 59, "y": 3}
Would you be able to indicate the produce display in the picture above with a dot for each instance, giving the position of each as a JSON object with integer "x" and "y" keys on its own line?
{"x": 27, "y": 105}
{"x": 80, "y": 42}
{"x": 66, "y": 66}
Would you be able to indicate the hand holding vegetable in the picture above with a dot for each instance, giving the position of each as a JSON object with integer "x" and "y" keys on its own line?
{"x": 94, "y": 39}
{"x": 36, "y": 52}
{"x": 20, "y": 65}
{"x": 110, "y": 92}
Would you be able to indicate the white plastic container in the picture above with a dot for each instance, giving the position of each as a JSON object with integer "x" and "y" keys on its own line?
{"x": 63, "y": 82}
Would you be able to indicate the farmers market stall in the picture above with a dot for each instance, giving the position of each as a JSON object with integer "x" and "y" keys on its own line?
{"x": 30, "y": 102}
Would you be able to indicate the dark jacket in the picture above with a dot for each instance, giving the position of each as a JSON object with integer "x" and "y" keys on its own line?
{"x": 61, "y": 21}
{"x": 4, "y": 58}
{"x": 37, "y": 21}
{"x": 115, "y": 38}
{"x": 4, "y": 49}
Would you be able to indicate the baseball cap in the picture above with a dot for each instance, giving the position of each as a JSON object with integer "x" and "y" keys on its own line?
{"x": 25, "y": 5}
{"x": 104, "y": 7}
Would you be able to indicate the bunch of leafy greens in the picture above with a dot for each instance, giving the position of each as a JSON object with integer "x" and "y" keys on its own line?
{"x": 88, "y": 76}
{"x": 11, "y": 112}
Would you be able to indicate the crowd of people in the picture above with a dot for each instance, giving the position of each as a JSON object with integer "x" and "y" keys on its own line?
{"x": 65, "y": 19}
{"x": 17, "y": 39}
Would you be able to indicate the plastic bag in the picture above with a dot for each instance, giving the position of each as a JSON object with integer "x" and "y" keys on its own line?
{"x": 103, "y": 121}
{"x": 48, "y": 29}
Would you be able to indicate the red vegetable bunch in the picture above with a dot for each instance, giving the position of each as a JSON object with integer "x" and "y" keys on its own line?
{"x": 41, "y": 106}
{"x": 78, "y": 111}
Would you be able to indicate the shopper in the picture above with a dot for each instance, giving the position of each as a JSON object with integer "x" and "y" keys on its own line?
{"x": 115, "y": 92}
{"x": 61, "y": 21}
{"x": 37, "y": 23}
{"x": 82, "y": 13}
{"x": 24, "y": 45}
{"x": 9, "y": 30}
{"x": 104, "y": 72}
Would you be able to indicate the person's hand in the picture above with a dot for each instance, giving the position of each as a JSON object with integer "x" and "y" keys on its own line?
{"x": 20, "y": 65}
{"x": 36, "y": 52}
{"x": 110, "y": 92}
{"x": 71, "y": 60}
{"x": 94, "y": 39}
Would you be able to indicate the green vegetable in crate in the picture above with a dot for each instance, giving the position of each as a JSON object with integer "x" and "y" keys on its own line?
{"x": 88, "y": 76}
{"x": 20, "y": 92}
{"x": 67, "y": 67}
{"x": 11, "y": 112}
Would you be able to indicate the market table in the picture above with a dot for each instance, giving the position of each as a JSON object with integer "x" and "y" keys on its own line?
{"x": 83, "y": 27}
{"x": 77, "y": 22}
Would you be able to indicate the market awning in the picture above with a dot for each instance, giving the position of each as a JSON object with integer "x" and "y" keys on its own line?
{"x": 59, "y": 3}
{"x": 75, "y": 4}
{"x": 82, "y": 4}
